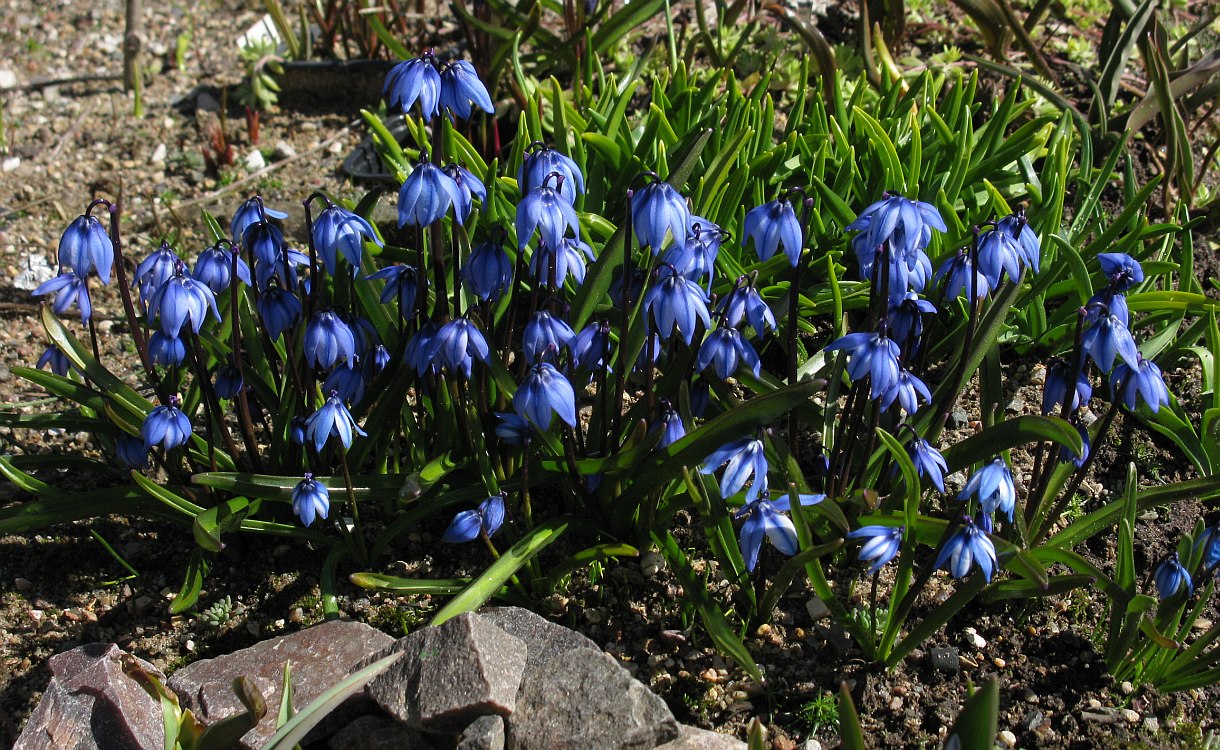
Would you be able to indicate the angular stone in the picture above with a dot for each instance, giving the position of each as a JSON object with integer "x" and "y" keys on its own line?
{"x": 451, "y": 674}
{"x": 321, "y": 656}
{"x": 92, "y": 704}
{"x": 584, "y": 699}
{"x": 375, "y": 732}
{"x": 693, "y": 738}
{"x": 484, "y": 733}
{"x": 543, "y": 639}
{"x": 944, "y": 659}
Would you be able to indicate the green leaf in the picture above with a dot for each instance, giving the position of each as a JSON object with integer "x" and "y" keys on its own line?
{"x": 851, "y": 735}
{"x": 431, "y": 586}
{"x": 192, "y": 582}
{"x": 1011, "y": 433}
{"x": 978, "y": 723}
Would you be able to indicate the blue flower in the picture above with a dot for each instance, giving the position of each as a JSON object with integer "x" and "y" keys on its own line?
{"x": 469, "y": 188}
{"x": 766, "y": 520}
{"x": 882, "y": 545}
{"x": 417, "y": 352}
{"x": 1028, "y": 244}
{"x": 746, "y": 458}
{"x": 1109, "y": 301}
{"x": 872, "y": 354}
{"x": 546, "y": 210}
{"x": 337, "y": 230}
{"x": 591, "y": 348}
{"x": 905, "y": 317}
{"x": 1107, "y": 338}
{"x": 327, "y": 340}
{"x": 657, "y": 210}
{"x": 130, "y": 452}
{"x": 906, "y": 390}
{"x": 251, "y": 212}
{"x": 347, "y": 382}
{"x": 214, "y": 267}
{"x": 902, "y": 223}
{"x": 181, "y": 299}
{"x": 401, "y": 283}
{"x": 1056, "y": 390}
{"x": 488, "y": 272}
{"x": 958, "y": 268}
{"x": 283, "y": 267}
{"x": 772, "y": 226}
{"x": 332, "y": 419}
{"x": 1170, "y": 577}
{"x": 414, "y": 81}
{"x": 929, "y": 462}
{"x": 310, "y": 500}
{"x": 512, "y": 429}
{"x": 426, "y": 195}
{"x": 279, "y": 309}
{"x": 166, "y": 426}
{"x": 968, "y": 547}
{"x": 1067, "y": 454}
{"x": 1121, "y": 269}
{"x": 1209, "y": 543}
{"x": 381, "y": 358}
{"x": 469, "y": 524}
{"x": 676, "y": 302}
{"x": 85, "y": 246}
{"x": 745, "y": 303}
{"x": 671, "y": 426}
{"x": 725, "y": 349}
{"x": 455, "y": 345}
{"x": 538, "y": 164}
{"x": 1144, "y": 380}
{"x": 460, "y": 87}
{"x": 166, "y": 349}
{"x": 228, "y": 382}
{"x": 545, "y": 335}
{"x": 569, "y": 260}
{"x": 55, "y": 357}
{"x": 695, "y": 257}
{"x": 992, "y": 486}
{"x": 999, "y": 252}
{"x": 69, "y": 289}
{"x": 543, "y": 393}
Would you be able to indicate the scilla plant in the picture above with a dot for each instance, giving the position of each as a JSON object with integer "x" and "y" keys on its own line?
{"x": 621, "y": 321}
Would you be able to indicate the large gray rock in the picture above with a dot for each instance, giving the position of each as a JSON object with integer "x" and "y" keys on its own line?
{"x": 321, "y": 656}
{"x": 92, "y": 704}
{"x": 693, "y": 738}
{"x": 583, "y": 700}
{"x": 451, "y": 674}
{"x": 543, "y": 639}
{"x": 377, "y": 733}
{"x": 484, "y": 733}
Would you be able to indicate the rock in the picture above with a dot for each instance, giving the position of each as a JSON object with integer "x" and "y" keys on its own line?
{"x": 585, "y": 700}
{"x": 959, "y": 418}
{"x": 817, "y": 609}
{"x": 811, "y": 745}
{"x": 692, "y": 738}
{"x": 484, "y": 733}
{"x": 283, "y": 150}
{"x": 8, "y": 79}
{"x": 651, "y": 563}
{"x": 37, "y": 269}
{"x": 1006, "y": 738}
{"x": 92, "y": 703}
{"x": 944, "y": 659}
{"x": 973, "y": 639}
{"x": 543, "y": 639}
{"x": 321, "y": 656}
{"x": 1016, "y": 405}
{"x": 451, "y": 674}
{"x": 158, "y": 154}
{"x": 377, "y": 733}
{"x": 254, "y": 160}
{"x": 205, "y": 102}
{"x": 10, "y": 164}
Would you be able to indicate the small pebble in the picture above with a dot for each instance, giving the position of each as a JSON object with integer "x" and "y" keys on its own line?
{"x": 651, "y": 563}
{"x": 1126, "y": 687}
{"x": 1006, "y": 738}
{"x": 817, "y": 609}
{"x": 973, "y": 639}
{"x": 254, "y": 160}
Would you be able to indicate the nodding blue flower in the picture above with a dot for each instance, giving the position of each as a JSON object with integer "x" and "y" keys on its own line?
{"x": 69, "y": 289}
{"x": 591, "y": 348}
{"x": 766, "y": 519}
{"x": 700, "y": 397}
{"x": 337, "y": 230}
{"x": 214, "y": 267}
{"x": 1057, "y": 389}
{"x": 412, "y": 81}
{"x": 992, "y": 486}
{"x": 724, "y": 350}
{"x": 745, "y": 303}
{"x": 247, "y": 214}
{"x": 1143, "y": 381}
{"x": 545, "y": 335}
{"x": 658, "y": 210}
{"x": 455, "y": 346}
{"x": 547, "y": 211}
{"x": 265, "y": 240}
{"x": 929, "y": 462}
{"x": 310, "y": 500}
{"x": 1121, "y": 269}
{"x": 55, "y": 357}
{"x": 638, "y": 278}
{"x": 1171, "y": 577}
{"x": 968, "y": 547}
{"x": 1028, "y": 245}
{"x": 906, "y": 390}
{"x": 417, "y": 350}
{"x": 469, "y": 188}
{"x": 905, "y": 317}
{"x": 671, "y": 426}
{"x": 772, "y": 226}
{"x": 695, "y": 256}
{"x": 461, "y": 87}
{"x": 426, "y": 195}
{"x": 401, "y": 283}
{"x": 676, "y": 302}
{"x": 746, "y": 458}
{"x": 882, "y": 545}
{"x": 999, "y": 252}
{"x": 1108, "y": 301}
{"x": 512, "y": 429}
{"x": 347, "y": 382}
{"x": 166, "y": 349}
{"x": 84, "y": 246}
{"x": 902, "y": 223}
{"x": 1209, "y": 543}
{"x": 284, "y": 268}
{"x": 332, "y": 419}
{"x": 569, "y": 259}
{"x": 542, "y": 161}
{"x": 155, "y": 270}
{"x": 279, "y": 309}
{"x": 872, "y": 354}
{"x": 1108, "y": 338}
{"x": 1067, "y": 454}
{"x": 469, "y": 524}
{"x": 545, "y": 392}
{"x": 649, "y": 355}
{"x": 228, "y": 382}
{"x": 488, "y": 272}
{"x": 381, "y": 358}
{"x": 327, "y": 340}
{"x": 130, "y": 452}
{"x": 181, "y": 299}
{"x": 959, "y": 270}
{"x": 296, "y": 430}
{"x": 166, "y": 426}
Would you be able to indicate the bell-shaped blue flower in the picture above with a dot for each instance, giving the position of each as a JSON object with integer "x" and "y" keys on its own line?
{"x": 881, "y": 545}
{"x": 339, "y": 231}
{"x": 1057, "y": 389}
{"x": 69, "y": 289}
{"x": 906, "y": 390}
{"x": 249, "y": 213}
{"x": 130, "y": 452}
{"x": 872, "y": 354}
{"x": 545, "y": 210}
{"x": 412, "y": 81}
{"x": 545, "y": 393}
{"x": 155, "y": 270}
{"x": 766, "y": 519}
{"x": 999, "y": 254}
{"x": 470, "y": 524}
{"x": 1028, "y": 244}
{"x": 84, "y": 246}
{"x": 745, "y": 303}
{"x": 1170, "y": 577}
{"x": 166, "y": 349}
{"x": 569, "y": 259}
{"x": 348, "y": 382}
{"x": 461, "y": 87}
{"x": 456, "y": 345}
{"x": 906, "y": 317}
{"x": 469, "y": 188}
{"x": 1142, "y": 381}
{"x": 488, "y": 271}
{"x": 902, "y": 223}
{"x": 544, "y": 336}
{"x": 265, "y": 240}
{"x": 166, "y": 426}
{"x": 658, "y": 210}
{"x": 214, "y": 267}
{"x": 279, "y": 309}
{"x": 591, "y": 348}
{"x": 1121, "y": 269}
{"x": 695, "y": 257}
{"x": 959, "y": 270}
{"x": 180, "y": 300}
{"x": 676, "y": 302}
{"x": 746, "y": 459}
{"x": 724, "y": 350}
{"x": 417, "y": 351}
{"x": 426, "y": 195}
{"x": 542, "y": 161}
{"x": 310, "y": 500}
{"x": 327, "y": 340}
{"x": 773, "y": 226}
{"x": 401, "y": 283}
{"x": 968, "y": 547}
{"x": 55, "y": 357}
{"x": 1108, "y": 338}
{"x": 228, "y": 382}
{"x": 929, "y": 462}
{"x": 333, "y": 419}
{"x": 992, "y": 486}
{"x": 512, "y": 429}
{"x": 671, "y": 426}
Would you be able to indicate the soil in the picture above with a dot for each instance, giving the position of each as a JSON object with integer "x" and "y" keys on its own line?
{"x": 68, "y": 135}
